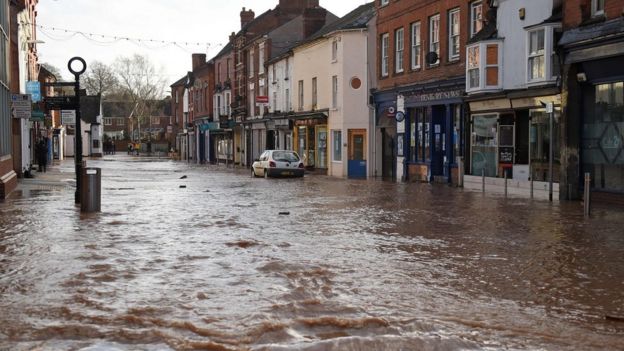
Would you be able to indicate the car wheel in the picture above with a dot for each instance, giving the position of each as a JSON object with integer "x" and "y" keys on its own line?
{"x": 266, "y": 174}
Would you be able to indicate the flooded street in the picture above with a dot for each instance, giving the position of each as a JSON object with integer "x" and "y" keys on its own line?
{"x": 355, "y": 265}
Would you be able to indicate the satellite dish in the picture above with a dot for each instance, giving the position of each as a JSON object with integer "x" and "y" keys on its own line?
{"x": 432, "y": 58}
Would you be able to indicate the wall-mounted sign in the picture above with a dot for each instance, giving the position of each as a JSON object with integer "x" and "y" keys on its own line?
{"x": 34, "y": 89}
{"x": 68, "y": 117}
{"x": 21, "y": 106}
{"x": 391, "y": 112}
{"x": 400, "y": 116}
{"x": 262, "y": 101}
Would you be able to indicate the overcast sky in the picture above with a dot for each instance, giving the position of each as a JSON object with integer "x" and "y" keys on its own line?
{"x": 194, "y": 21}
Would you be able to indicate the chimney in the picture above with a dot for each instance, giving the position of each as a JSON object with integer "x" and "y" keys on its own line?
{"x": 313, "y": 20}
{"x": 198, "y": 60}
{"x": 246, "y": 17}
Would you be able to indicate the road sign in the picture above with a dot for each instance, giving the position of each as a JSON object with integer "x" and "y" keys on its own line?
{"x": 21, "y": 106}
{"x": 61, "y": 103}
{"x": 34, "y": 89}
{"x": 68, "y": 117}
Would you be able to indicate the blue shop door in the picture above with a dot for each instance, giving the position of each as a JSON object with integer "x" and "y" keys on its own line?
{"x": 438, "y": 142}
{"x": 357, "y": 154}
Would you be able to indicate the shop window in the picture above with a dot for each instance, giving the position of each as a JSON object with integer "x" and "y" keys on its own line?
{"x": 484, "y": 145}
{"x": 337, "y": 145}
{"x": 603, "y": 137}
{"x": 539, "y": 144}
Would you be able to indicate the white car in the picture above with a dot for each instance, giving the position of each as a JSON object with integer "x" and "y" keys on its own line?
{"x": 278, "y": 163}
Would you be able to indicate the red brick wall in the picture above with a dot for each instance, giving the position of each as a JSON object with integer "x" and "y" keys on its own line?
{"x": 578, "y": 11}
{"x": 402, "y": 14}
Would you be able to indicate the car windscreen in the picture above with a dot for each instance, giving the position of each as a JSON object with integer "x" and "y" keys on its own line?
{"x": 283, "y": 156}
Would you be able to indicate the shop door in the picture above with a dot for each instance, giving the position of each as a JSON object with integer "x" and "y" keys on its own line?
{"x": 357, "y": 154}
{"x": 388, "y": 136}
{"x": 270, "y": 140}
{"x": 438, "y": 141}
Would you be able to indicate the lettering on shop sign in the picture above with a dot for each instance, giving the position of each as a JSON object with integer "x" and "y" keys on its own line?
{"x": 506, "y": 155}
{"x": 441, "y": 95}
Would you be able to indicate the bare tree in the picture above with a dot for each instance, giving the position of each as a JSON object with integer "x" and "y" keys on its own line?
{"x": 100, "y": 79}
{"x": 140, "y": 82}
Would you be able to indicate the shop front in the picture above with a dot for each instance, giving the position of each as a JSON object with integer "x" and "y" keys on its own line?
{"x": 510, "y": 137}
{"x": 385, "y": 149}
{"x": 310, "y": 134}
{"x": 280, "y": 133}
{"x": 434, "y": 124}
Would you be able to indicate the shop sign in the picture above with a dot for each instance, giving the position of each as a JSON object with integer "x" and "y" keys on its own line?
{"x": 262, "y": 101}
{"x": 21, "y": 106}
{"x": 440, "y": 95}
{"x": 37, "y": 116}
{"x": 68, "y": 117}
{"x": 391, "y": 112}
{"x": 488, "y": 105}
{"x": 536, "y": 101}
{"x": 34, "y": 89}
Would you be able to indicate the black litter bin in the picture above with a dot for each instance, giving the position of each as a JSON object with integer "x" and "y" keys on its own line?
{"x": 91, "y": 190}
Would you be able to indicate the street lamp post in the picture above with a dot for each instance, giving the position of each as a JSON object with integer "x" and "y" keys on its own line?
{"x": 78, "y": 158}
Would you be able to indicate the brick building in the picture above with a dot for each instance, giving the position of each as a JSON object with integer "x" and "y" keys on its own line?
{"x": 593, "y": 98}
{"x": 421, "y": 72}
{"x": 222, "y": 134}
{"x": 8, "y": 177}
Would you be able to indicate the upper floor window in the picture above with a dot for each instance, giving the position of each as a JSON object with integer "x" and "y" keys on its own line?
{"x": 261, "y": 59}
{"x": 274, "y": 73}
{"x": 537, "y": 55}
{"x": 385, "y": 2}
{"x": 476, "y": 17}
{"x": 227, "y": 69}
{"x": 301, "y": 102}
{"x": 384, "y": 54}
{"x": 287, "y": 69}
{"x": 399, "y": 46}
{"x": 597, "y": 7}
{"x": 542, "y": 59}
{"x": 335, "y": 91}
{"x": 453, "y": 33}
{"x": 434, "y": 37}
{"x": 314, "y": 93}
{"x": 483, "y": 66}
{"x": 416, "y": 45}
{"x": 251, "y": 64}
{"x": 335, "y": 50}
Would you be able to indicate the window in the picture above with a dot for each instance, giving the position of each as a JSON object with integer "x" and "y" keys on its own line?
{"x": 536, "y": 55}
{"x": 108, "y": 121}
{"x": 335, "y": 50}
{"x": 314, "y": 93}
{"x": 476, "y": 17}
{"x": 398, "y": 47}
{"x": 597, "y": 7}
{"x": 219, "y": 72}
{"x": 274, "y": 101}
{"x": 252, "y": 104}
{"x": 227, "y": 69}
{"x": 337, "y": 146}
{"x": 287, "y": 69}
{"x": 453, "y": 33}
{"x": 473, "y": 61}
{"x": 335, "y": 91}
{"x": 287, "y": 100}
{"x": 228, "y": 102}
{"x": 300, "y": 95}
{"x": 385, "y": 2}
{"x": 434, "y": 37}
{"x": 483, "y": 69}
{"x": 384, "y": 54}
{"x": 261, "y": 59}
{"x": 274, "y": 74}
{"x": 416, "y": 45}
{"x": 177, "y": 97}
{"x": 251, "y": 64}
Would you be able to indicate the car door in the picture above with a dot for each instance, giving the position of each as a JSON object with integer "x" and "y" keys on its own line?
{"x": 260, "y": 165}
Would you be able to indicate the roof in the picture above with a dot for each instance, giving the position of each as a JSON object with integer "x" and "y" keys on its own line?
{"x": 356, "y": 19}
{"x": 181, "y": 81}
{"x": 595, "y": 31}
{"x": 117, "y": 108}
{"x": 228, "y": 47}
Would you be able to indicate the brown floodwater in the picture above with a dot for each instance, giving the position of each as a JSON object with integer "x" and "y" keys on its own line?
{"x": 355, "y": 265}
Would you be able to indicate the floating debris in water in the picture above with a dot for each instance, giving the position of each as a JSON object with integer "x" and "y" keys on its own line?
{"x": 285, "y": 213}
{"x": 183, "y": 177}
{"x": 182, "y": 186}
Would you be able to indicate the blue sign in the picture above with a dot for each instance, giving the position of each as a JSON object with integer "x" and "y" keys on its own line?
{"x": 34, "y": 89}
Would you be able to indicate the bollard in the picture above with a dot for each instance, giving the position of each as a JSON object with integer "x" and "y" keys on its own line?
{"x": 587, "y": 197}
{"x": 505, "y": 183}
{"x": 460, "y": 172}
{"x": 483, "y": 180}
{"x": 531, "y": 175}
{"x": 91, "y": 190}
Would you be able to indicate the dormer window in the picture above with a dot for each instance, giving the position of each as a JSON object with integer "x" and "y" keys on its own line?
{"x": 597, "y": 8}
{"x": 484, "y": 66}
{"x": 542, "y": 62}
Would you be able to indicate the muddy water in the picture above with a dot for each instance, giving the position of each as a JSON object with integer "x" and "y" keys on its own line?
{"x": 357, "y": 265}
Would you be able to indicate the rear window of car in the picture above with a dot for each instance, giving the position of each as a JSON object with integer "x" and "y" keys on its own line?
{"x": 285, "y": 156}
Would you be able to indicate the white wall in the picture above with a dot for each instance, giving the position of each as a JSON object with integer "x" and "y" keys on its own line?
{"x": 279, "y": 84}
{"x": 511, "y": 28}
